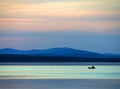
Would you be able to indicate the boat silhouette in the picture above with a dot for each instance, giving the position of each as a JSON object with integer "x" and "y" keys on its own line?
{"x": 93, "y": 67}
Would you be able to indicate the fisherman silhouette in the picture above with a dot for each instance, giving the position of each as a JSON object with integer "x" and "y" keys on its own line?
{"x": 93, "y": 66}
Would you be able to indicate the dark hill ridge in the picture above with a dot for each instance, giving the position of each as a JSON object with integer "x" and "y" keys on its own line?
{"x": 61, "y": 52}
{"x": 55, "y": 55}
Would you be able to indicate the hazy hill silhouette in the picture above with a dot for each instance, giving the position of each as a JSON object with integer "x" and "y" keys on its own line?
{"x": 57, "y": 52}
{"x": 55, "y": 55}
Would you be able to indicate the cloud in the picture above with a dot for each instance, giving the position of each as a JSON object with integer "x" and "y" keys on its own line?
{"x": 59, "y": 9}
{"x": 49, "y": 24}
{"x": 82, "y": 15}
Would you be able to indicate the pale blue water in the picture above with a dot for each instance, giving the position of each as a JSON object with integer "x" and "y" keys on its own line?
{"x": 59, "y": 72}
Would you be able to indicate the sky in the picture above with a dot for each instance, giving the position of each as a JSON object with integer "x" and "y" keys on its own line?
{"x": 92, "y": 25}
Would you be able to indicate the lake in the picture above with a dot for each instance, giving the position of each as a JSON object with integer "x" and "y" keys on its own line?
{"x": 59, "y": 76}
{"x": 59, "y": 72}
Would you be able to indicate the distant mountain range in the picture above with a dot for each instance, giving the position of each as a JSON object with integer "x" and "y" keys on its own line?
{"x": 61, "y": 52}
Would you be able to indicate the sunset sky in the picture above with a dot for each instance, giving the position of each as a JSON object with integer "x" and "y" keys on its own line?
{"x": 92, "y": 25}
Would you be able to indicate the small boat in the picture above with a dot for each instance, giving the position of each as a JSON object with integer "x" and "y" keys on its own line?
{"x": 93, "y": 67}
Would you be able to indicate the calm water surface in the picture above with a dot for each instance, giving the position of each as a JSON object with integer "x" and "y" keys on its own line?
{"x": 59, "y": 72}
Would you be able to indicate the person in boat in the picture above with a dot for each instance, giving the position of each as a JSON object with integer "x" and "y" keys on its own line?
{"x": 93, "y": 67}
